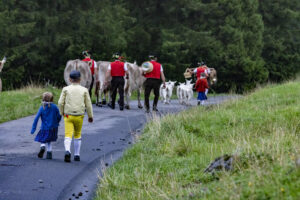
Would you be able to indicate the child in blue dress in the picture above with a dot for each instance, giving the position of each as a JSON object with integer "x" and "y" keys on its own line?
{"x": 50, "y": 116}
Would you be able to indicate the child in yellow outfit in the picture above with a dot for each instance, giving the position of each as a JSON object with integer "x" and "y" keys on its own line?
{"x": 73, "y": 101}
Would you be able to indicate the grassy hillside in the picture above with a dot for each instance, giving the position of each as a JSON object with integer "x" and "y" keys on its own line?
{"x": 167, "y": 162}
{"x": 23, "y": 102}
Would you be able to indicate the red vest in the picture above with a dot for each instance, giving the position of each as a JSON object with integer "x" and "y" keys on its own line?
{"x": 200, "y": 70}
{"x": 201, "y": 85}
{"x": 117, "y": 68}
{"x": 92, "y": 68}
{"x": 155, "y": 72}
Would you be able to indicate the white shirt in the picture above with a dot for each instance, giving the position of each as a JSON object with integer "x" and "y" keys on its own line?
{"x": 125, "y": 66}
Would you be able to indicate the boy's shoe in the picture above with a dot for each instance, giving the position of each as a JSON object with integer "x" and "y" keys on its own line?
{"x": 198, "y": 103}
{"x": 67, "y": 156}
{"x": 147, "y": 110}
{"x": 121, "y": 108}
{"x": 49, "y": 155}
{"x": 77, "y": 158}
{"x": 41, "y": 153}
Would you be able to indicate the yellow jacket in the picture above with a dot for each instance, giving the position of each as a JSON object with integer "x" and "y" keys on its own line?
{"x": 74, "y": 99}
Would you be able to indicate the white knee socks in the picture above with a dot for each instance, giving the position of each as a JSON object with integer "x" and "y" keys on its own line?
{"x": 67, "y": 143}
{"x": 77, "y": 145}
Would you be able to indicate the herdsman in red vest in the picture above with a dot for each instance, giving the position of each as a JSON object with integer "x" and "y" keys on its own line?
{"x": 93, "y": 68}
{"x": 117, "y": 71}
{"x": 201, "y": 69}
{"x": 153, "y": 82}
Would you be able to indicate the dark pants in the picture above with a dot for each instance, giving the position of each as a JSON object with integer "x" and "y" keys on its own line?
{"x": 150, "y": 84}
{"x": 91, "y": 87}
{"x": 117, "y": 83}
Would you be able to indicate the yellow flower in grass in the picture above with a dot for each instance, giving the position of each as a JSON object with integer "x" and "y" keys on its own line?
{"x": 282, "y": 189}
{"x": 250, "y": 184}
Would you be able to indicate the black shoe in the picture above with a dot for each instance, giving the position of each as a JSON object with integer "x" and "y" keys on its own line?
{"x": 67, "y": 156}
{"x": 49, "y": 155}
{"x": 198, "y": 103}
{"x": 76, "y": 158}
{"x": 103, "y": 102}
{"x": 111, "y": 106}
{"x": 41, "y": 153}
{"x": 121, "y": 108}
{"x": 147, "y": 110}
{"x": 155, "y": 109}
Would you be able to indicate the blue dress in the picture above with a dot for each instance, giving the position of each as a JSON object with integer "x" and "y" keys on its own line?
{"x": 201, "y": 96}
{"x": 50, "y": 116}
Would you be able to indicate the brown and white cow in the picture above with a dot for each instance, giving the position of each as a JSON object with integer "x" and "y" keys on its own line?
{"x": 83, "y": 67}
{"x": 1, "y": 67}
{"x": 134, "y": 82}
{"x": 102, "y": 67}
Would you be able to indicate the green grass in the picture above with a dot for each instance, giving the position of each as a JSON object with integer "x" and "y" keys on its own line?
{"x": 23, "y": 102}
{"x": 168, "y": 160}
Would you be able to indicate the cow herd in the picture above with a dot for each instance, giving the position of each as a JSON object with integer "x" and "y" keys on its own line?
{"x": 135, "y": 82}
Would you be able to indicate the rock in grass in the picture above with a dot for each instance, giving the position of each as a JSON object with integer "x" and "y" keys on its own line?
{"x": 224, "y": 162}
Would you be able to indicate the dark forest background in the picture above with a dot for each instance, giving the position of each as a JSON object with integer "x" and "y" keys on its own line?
{"x": 249, "y": 42}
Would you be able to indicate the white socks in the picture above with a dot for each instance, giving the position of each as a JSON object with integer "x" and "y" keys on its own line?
{"x": 49, "y": 146}
{"x": 206, "y": 91}
{"x": 68, "y": 144}
{"x": 77, "y": 145}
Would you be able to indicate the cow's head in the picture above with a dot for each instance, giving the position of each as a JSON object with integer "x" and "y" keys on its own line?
{"x": 212, "y": 76}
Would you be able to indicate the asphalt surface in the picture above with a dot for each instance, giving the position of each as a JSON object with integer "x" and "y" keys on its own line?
{"x": 24, "y": 176}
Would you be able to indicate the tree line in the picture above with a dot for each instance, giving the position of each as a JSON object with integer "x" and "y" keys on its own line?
{"x": 248, "y": 42}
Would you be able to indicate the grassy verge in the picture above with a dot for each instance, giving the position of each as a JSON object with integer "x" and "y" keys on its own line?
{"x": 23, "y": 102}
{"x": 168, "y": 160}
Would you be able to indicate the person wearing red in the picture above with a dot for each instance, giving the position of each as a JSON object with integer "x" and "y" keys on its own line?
{"x": 153, "y": 82}
{"x": 201, "y": 69}
{"x": 117, "y": 71}
{"x": 202, "y": 88}
{"x": 93, "y": 67}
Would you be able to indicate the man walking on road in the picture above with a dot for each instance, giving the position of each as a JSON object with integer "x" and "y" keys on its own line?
{"x": 117, "y": 71}
{"x": 153, "y": 82}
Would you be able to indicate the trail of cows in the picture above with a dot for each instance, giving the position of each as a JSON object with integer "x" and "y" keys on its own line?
{"x": 24, "y": 176}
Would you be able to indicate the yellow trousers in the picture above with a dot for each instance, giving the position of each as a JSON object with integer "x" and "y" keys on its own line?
{"x": 73, "y": 125}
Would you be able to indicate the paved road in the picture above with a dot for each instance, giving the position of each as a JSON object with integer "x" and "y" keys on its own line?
{"x": 23, "y": 176}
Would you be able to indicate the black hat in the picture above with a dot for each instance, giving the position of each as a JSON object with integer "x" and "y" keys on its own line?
{"x": 75, "y": 75}
{"x": 152, "y": 56}
{"x": 116, "y": 55}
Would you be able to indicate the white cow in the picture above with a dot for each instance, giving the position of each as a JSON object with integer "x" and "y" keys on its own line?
{"x": 135, "y": 82}
{"x": 1, "y": 67}
{"x": 83, "y": 67}
{"x": 166, "y": 92}
{"x": 185, "y": 92}
{"x": 178, "y": 92}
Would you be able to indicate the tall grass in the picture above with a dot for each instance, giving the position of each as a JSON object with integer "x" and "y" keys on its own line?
{"x": 23, "y": 102}
{"x": 168, "y": 160}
